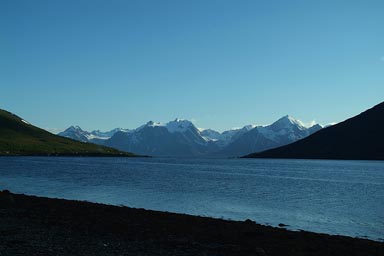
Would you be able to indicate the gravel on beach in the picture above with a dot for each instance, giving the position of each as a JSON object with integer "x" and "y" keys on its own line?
{"x": 32, "y": 225}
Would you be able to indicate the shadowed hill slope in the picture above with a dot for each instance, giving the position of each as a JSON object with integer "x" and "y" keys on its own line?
{"x": 360, "y": 137}
{"x": 18, "y": 137}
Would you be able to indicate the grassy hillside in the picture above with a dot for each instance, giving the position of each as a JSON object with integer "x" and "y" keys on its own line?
{"x": 17, "y": 137}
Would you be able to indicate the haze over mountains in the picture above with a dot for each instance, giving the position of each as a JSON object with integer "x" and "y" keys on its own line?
{"x": 183, "y": 138}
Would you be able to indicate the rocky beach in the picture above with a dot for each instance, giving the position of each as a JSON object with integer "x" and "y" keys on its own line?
{"x": 32, "y": 225}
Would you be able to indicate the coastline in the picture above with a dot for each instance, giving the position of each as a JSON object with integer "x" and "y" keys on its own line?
{"x": 121, "y": 155}
{"x": 42, "y": 226}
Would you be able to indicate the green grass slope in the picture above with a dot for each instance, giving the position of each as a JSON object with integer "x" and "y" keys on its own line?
{"x": 18, "y": 137}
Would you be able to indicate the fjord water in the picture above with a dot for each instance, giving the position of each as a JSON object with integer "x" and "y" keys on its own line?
{"x": 335, "y": 197}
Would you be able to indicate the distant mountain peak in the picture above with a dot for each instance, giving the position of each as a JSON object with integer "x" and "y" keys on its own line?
{"x": 289, "y": 121}
{"x": 288, "y": 118}
{"x": 76, "y": 133}
{"x": 359, "y": 137}
{"x": 108, "y": 134}
{"x": 153, "y": 124}
{"x": 210, "y": 134}
{"x": 182, "y": 121}
{"x": 179, "y": 125}
{"x": 74, "y": 128}
{"x": 249, "y": 127}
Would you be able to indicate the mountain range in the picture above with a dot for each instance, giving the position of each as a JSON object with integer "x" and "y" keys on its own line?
{"x": 183, "y": 138}
{"x": 96, "y": 136}
{"x": 359, "y": 137}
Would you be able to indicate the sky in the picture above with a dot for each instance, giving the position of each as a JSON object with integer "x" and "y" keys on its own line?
{"x": 219, "y": 63}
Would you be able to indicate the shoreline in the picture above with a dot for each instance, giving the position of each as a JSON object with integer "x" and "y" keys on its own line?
{"x": 45, "y": 226}
{"x": 123, "y": 155}
{"x": 280, "y": 225}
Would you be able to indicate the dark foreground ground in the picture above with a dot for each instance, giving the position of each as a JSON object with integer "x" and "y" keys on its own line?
{"x": 41, "y": 226}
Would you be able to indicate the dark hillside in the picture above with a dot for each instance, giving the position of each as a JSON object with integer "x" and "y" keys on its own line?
{"x": 360, "y": 137}
{"x": 18, "y": 137}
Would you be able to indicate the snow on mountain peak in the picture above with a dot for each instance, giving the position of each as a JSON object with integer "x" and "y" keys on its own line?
{"x": 148, "y": 124}
{"x": 209, "y": 134}
{"x": 152, "y": 124}
{"x": 74, "y": 128}
{"x": 301, "y": 123}
{"x": 289, "y": 121}
{"x": 178, "y": 125}
{"x": 286, "y": 122}
{"x": 249, "y": 127}
{"x": 75, "y": 132}
{"x": 244, "y": 128}
{"x": 108, "y": 134}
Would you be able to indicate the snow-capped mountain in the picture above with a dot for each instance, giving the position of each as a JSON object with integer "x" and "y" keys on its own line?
{"x": 226, "y": 137}
{"x": 284, "y": 131}
{"x": 179, "y": 125}
{"x": 96, "y": 136}
{"x": 175, "y": 138}
{"x": 75, "y": 133}
{"x": 108, "y": 134}
{"x": 182, "y": 138}
{"x": 210, "y": 134}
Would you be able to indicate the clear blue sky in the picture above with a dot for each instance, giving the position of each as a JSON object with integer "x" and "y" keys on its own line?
{"x": 223, "y": 64}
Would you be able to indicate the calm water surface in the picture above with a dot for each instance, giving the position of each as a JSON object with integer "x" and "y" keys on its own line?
{"x": 336, "y": 197}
